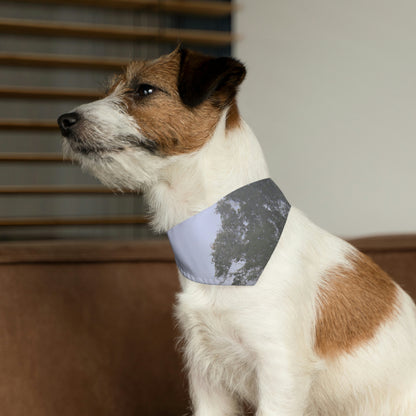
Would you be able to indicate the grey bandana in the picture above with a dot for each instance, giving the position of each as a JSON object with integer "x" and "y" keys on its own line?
{"x": 231, "y": 242}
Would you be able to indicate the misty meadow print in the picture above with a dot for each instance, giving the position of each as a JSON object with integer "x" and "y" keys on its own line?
{"x": 231, "y": 242}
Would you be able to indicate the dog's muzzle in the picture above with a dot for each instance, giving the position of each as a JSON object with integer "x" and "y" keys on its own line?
{"x": 67, "y": 123}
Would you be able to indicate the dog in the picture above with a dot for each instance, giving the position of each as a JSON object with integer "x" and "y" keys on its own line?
{"x": 323, "y": 331}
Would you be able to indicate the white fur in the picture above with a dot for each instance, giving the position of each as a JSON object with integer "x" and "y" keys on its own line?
{"x": 257, "y": 343}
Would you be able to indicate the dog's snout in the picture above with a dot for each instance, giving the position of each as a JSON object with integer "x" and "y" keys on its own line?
{"x": 67, "y": 121}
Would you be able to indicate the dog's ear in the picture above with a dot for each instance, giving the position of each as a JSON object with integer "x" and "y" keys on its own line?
{"x": 202, "y": 77}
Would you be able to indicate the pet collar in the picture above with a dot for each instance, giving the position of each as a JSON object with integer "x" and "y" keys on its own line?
{"x": 231, "y": 242}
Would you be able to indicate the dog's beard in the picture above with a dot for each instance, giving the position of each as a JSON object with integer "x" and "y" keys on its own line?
{"x": 93, "y": 142}
{"x": 125, "y": 168}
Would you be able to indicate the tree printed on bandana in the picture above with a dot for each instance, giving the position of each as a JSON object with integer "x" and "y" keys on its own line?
{"x": 251, "y": 225}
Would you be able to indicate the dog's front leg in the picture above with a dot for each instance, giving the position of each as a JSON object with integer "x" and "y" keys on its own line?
{"x": 283, "y": 386}
{"x": 210, "y": 400}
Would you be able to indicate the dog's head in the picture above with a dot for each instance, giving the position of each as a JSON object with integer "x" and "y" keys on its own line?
{"x": 154, "y": 111}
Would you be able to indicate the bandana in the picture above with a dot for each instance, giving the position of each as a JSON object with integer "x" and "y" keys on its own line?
{"x": 231, "y": 242}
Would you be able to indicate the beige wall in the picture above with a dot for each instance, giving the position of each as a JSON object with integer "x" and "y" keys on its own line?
{"x": 331, "y": 95}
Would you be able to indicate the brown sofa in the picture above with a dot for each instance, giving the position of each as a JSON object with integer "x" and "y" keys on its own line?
{"x": 86, "y": 328}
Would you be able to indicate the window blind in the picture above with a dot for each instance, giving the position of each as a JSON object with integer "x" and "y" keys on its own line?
{"x": 55, "y": 55}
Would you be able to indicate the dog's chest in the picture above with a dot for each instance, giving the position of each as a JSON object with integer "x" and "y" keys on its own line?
{"x": 215, "y": 343}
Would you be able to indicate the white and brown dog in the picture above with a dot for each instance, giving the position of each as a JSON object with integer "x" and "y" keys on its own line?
{"x": 324, "y": 331}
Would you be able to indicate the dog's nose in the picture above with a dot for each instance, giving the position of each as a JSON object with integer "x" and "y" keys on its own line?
{"x": 67, "y": 121}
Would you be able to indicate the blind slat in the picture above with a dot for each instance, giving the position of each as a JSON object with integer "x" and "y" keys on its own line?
{"x": 48, "y": 93}
{"x": 28, "y": 125}
{"x": 31, "y": 157}
{"x": 202, "y": 8}
{"x": 61, "y": 29}
{"x": 61, "y": 61}
{"x": 59, "y": 190}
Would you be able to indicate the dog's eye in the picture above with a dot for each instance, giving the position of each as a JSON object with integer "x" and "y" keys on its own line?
{"x": 143, "y": 90}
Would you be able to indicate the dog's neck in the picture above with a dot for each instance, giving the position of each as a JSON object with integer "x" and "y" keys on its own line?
{"x": 231, "y": 159}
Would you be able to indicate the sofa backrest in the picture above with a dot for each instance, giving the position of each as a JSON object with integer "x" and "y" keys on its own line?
{"x": 86, "y": 328}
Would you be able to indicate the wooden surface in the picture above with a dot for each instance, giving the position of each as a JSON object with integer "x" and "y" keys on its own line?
{"x": 97, "y": 250}
{"x": 61, "y": 61}
{"x": 68, "y": 221}
{"x": 32, "y": 157}
{"x": 85, "y": 251}
{"x": 61, "y": 189}
{"x": 202, "y": 8}
{"x": 49, "y": 93}
{"x": 78, "y": 30}
{"x": 18, "y": 124}
{"x": 400, "y": 242}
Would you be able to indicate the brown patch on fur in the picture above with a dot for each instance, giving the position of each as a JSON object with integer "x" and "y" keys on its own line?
{"x": 353, "y": 303}
{"x": 114, "y": 82}
{"x": 162, "y": 117}
{"x": 233, "y": 116}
